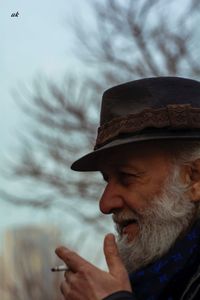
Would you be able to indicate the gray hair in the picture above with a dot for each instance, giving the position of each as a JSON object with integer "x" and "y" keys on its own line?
{"x": 185, "y": 153}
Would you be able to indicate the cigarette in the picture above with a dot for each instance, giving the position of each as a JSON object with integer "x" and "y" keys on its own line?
{"x": 60, "y": 268}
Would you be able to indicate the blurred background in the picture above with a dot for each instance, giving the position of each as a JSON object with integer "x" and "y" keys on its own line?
{"x": 56, "y": 59}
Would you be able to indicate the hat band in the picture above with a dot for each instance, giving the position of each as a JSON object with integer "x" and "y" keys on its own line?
{"x": 182, "y": 116}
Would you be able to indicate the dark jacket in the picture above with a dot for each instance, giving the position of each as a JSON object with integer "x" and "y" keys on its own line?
{"x": 183, "y": 284}
{"x": 191, "y": 291}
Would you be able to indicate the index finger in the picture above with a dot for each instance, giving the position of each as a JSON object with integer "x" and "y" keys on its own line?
{"x": 74, "y": 261}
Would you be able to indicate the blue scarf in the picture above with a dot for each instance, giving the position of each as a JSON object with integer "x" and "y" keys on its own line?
{"x": 167, "y": 277}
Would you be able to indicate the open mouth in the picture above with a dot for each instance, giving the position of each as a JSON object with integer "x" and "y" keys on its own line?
{"x": 123, "y": 224}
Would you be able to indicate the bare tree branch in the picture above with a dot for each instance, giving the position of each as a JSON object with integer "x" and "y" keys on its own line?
{"x": 129, "y": 39}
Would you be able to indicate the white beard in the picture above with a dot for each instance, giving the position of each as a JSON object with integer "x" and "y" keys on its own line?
{"x": 160, "y": 225}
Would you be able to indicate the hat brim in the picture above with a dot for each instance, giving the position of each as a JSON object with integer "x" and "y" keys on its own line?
{"x": 89, "y": 162}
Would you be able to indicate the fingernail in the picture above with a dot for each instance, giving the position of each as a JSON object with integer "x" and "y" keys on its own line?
{"x": 110, "y": 238}
{"x": 61, "y": 249}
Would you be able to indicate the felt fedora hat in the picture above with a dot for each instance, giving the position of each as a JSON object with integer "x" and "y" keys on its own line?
{"x": 147, "y": 109}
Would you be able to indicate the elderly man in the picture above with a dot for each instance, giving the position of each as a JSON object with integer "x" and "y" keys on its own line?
{"x": 148, "y": 152}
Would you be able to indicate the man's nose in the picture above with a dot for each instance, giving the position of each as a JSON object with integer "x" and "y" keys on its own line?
{"x": 111, "y": 198}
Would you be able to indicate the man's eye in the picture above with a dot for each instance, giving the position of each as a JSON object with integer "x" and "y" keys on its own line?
{"x": 124, "y": 174}
{"x": 127, "y": 178}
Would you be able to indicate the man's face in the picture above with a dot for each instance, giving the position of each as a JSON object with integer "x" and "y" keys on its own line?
{"x": 134, "y": 176}
{"x": 145, "y": 194}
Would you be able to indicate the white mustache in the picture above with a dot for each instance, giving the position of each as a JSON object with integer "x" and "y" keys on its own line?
{"x": 125, "y": 216}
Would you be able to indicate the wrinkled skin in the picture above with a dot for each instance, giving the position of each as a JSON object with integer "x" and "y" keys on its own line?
{"x": 84, "y": 281}
{"x": 134, "y": 175}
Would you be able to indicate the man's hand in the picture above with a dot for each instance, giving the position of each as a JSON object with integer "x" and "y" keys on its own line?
{"x": 84, "y": 281}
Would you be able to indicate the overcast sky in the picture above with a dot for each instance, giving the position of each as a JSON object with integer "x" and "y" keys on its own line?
{"x": 36, "y": 42}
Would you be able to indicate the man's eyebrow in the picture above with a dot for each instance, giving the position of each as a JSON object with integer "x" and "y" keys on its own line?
{"x": 118, "y": 166}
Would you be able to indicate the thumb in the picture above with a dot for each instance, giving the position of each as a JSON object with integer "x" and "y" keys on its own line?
{"x": 113, "y": 259}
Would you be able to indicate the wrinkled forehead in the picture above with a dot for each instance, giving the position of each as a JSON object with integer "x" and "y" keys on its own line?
{"x": 133, "y": 154}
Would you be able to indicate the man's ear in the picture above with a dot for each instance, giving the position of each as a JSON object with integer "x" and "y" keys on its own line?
{"x": 192, "y": 177}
